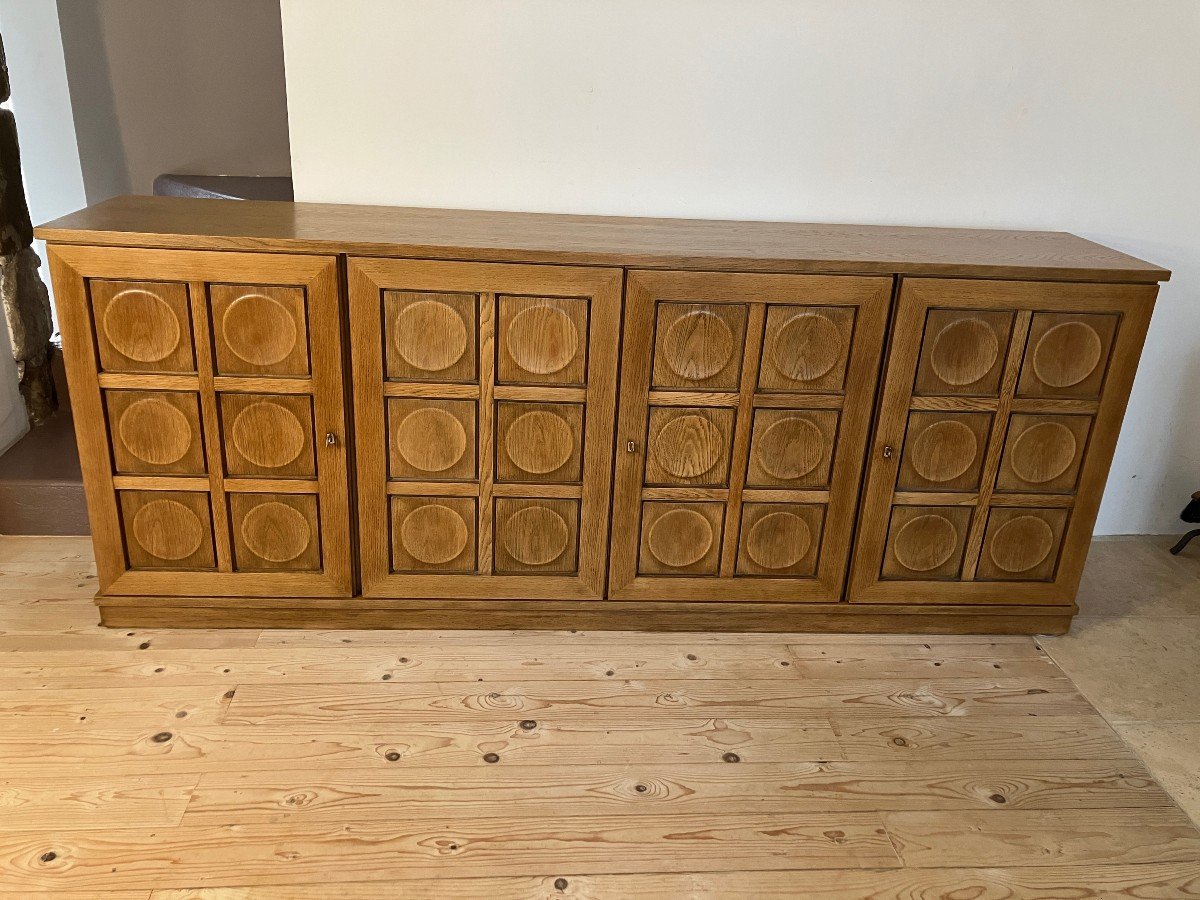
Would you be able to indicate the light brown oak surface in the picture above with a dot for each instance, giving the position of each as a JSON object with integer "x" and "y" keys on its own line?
{"x": 706, "y": 425}
{"x": 177, "y": 222}
{"x": 309, "y": 764}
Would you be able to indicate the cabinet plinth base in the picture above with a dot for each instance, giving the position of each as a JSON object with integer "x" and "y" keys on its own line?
{"x": 596, "y": 615}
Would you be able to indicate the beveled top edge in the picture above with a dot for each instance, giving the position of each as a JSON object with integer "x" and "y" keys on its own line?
{"x": 280, "y": 226}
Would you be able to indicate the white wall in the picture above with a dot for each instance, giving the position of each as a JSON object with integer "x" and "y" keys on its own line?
{"x": 1080, "y": 115}
{"x": 41, "y": 101}
{"x": 174, "y": 86}
{"x": 49, "y": 154}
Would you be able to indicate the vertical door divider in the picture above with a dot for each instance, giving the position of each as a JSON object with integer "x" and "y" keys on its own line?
{"x": 209, "y": 414}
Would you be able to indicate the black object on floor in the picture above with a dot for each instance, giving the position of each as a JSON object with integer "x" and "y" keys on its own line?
{"x": 1191, "y": 513}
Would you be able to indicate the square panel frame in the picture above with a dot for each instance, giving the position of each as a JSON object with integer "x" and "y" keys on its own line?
{"x": 71, "y": 267}
{"x": 1133, "y": 303}
{"x": 870, "y": 298}
{"x": 368, "y": 278}
{"x": 112, "y": 359}
{"x": 119, "y": 403}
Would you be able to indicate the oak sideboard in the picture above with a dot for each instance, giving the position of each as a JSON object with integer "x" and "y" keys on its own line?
{"x": 306, "y": 415}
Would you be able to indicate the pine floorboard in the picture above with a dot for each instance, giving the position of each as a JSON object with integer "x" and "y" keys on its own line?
{"x": 221, "y": 765}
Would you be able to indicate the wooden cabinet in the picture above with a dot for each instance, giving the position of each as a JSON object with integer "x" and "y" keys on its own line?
{"x": 210, "y": 420}
{"x": 484, "y": 404}
{"x": 745, "y": 403}
{"x": 307, "y": 415}
{"x": 999, "y": 413}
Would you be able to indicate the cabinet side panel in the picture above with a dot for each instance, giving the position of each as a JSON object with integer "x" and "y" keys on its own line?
{"x": 80, "y": 361}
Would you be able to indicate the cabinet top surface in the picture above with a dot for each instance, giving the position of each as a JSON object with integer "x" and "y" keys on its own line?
{"x": 185, "y": 223}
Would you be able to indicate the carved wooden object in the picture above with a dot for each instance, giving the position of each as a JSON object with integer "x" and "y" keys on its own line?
{"x": 690, "y": 425}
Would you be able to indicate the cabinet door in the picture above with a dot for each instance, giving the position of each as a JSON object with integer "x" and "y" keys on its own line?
{"x": 207, "y": 394}
{"x": 1000, "y": 411}
{"x": 745, "y": 403}
{"x": 483, "y": 424}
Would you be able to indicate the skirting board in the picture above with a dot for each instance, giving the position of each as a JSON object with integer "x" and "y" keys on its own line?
{"x": 598, "y": 615}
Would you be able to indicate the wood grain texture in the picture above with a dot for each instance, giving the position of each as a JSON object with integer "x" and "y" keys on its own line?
{"x": 908, "y": 646}
{"x": 314, "y": 665}
{"x": 133, "y": 748}
{"x": 381, "y": 851}
{"x": 724, "y": 442}
{"x": 81, "y": 803}
{"x": 995, "y": 737}
{"x": 552, "y": 615}
{"x": 80, "y": 710}
{"x": 593, "y": 240}
{"x": 301, "y": 705}
{"x": 1009, "y": 325}
{"x": 484, "y": 376}
{"x": 1035, "y": 882}
{"x": 286, "y": 764}
{"x": 647, "y": 789}
{"x": 543, "y": 396}
{"x": 258, "y": 299}
{"x": 1029, "y": 837}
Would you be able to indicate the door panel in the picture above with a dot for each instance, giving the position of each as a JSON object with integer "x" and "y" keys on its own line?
{"x": 1000, "y": 410}
{"x": 198, "y": 410}
{"x": 141, "y": 326}
{"x": 484, "y": 398}
{"x": 259, "y": 330}
{"x": 155, "y": 432}
{"x": 268, "y": 435}
{"x": 745, "y": 403}
{"x": 963, "y": 353}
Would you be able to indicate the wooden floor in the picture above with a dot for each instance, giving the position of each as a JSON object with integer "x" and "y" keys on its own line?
{"x": 230, "y": 764}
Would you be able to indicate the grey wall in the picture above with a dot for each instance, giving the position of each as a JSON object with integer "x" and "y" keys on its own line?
{"x": 174, "y": 86}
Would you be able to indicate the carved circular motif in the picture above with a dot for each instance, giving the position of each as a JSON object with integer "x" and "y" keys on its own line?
{"x": 680, "y": 537}
{"x": 698, "y": 345}
{"x": 790, "y": 448}
{"x": 431, "y": 439}
{"x": 542, "y": 339}
{"x": 778, "y": 540}
{"x": 536, "y": 535}
{"x": 807, "y": 347}
{"x": 1067, "y": 354}
{"x": 539, "y": 442}
{"x": 1021, "y": 543}
{"x": 155, "y": 431}
{"x": 259, "y": 330}
{"x": 166, "y": 529}
{"x": 964, "y": 351}
{"x": 434, "y": 534}
{"x": 276, "y": 532}
{"x": 430, "y": 335}
{"x": 944, "y": 451}
{"x": 925, "y": 542}
{"x": 142, "y": 326}
{"x": 1043, "y": 452}
{"x": 268, "y": 434}
{"x": 688, "y": 446}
